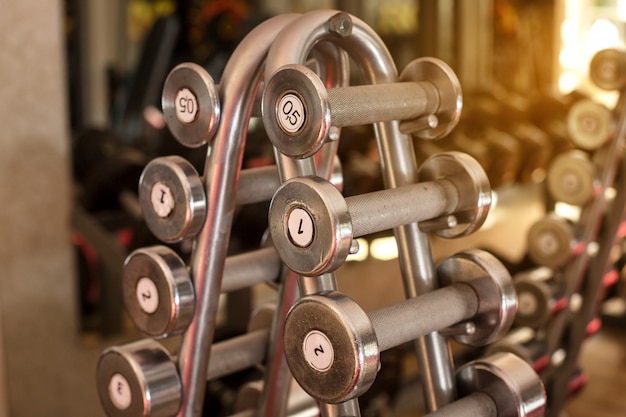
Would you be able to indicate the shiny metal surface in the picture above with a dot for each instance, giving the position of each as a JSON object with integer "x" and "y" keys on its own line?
{"x": 138, "y": 379}
{"x": 237, "y": 90}
{"x": 191, "y": 105}
{"x": 494, "y": 288}
{"x": 472, "y": 184}
{"x": 299, "y": 111}
{"x": 172, "y": 198}
{"x": 589, "y": 124}
{"x": 552, "y": 241}
{"x": 449, "y": 97}
{"x": 157, "y": 291}
{"x": 331, "y": 347}
{"x": 607, "y": 69}
{"x": 572, "y": 178}
{"x": 310, "y": 226}
{"x": 514, "y": 387}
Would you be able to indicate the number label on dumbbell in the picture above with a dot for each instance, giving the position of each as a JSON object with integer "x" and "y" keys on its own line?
{"x": 318, "y": 351}
{"x": 300, "y": 227}
{"x": 119, "y": 392}
{"x": 147, "y": 295}
{"x": 162, "y": 199}
{"x": 588, "y": 123}
{"x": 548, "y": 243}
{"x": 291, "y": 113}
{"x": 527, "y": 303}
{"x": 186, "y": 106}
{"x": 570, "y": 181}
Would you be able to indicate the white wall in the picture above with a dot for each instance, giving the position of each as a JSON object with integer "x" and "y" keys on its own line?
{"x": 43, "y": 369}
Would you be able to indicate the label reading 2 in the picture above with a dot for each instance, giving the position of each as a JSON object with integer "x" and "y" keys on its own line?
{"x": 147, "y": 295}
{"x": 318, "y": 351}
{"x": 119, "y": 392}
{"x": 300, "y": 227}
{"x": 291, "y": 113}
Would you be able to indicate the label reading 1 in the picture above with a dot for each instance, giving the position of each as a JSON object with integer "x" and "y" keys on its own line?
{"x": 186, "y": 106}
{"x": 291, "y": 113}
{"x": 119, "y": 392}
{"x": 162, "y": 199}
{"x": 300, "y": 227}
{"x": 147, "y": 295}
{"x": 318, "y": 351}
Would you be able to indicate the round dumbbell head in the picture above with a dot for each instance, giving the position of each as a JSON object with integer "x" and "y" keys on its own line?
{"x": 492, "y": 282}
{"x": 138, "y": 379}
{"x": 514, "y": 386}
{"x": 157, "y": 291}
{"x": 607, "y": 69}
{"x": 191, "y": 105}
{"x": 473, "y": 185}
{"x": 331, "y": 347}
{"x": 551, "y": 241}
{"x": 296, "y": 112}
{"x": 571, "y": 178}
{"x": 589, "y": 124}
{"x": 310, "y": 226}
{"x": 172, "y": 198}
{"x": 447, "y": 85}
{"x": 538, "y": 299}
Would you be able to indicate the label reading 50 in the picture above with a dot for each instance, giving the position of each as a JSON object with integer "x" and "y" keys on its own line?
{"x": 186, "y": 106}
{"x": 291, "y": 113}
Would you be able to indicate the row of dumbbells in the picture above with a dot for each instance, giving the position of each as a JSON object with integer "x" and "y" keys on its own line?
{"x": 574, "y": 258}
{"x": 331, "y": 345}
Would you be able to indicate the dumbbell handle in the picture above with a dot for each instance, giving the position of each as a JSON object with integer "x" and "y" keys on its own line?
{"x": 372, "y": 103}
{"x": 415, "y": 317}
{"x": 238, "y": 353}
{"x": 477, "y": 404}
{"x": 386, "y": 209}
{"x": 250, "y": 268}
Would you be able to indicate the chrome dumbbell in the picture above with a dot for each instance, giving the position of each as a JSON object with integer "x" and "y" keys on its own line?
{"x": 313, "y": 226}
{"x": 589, "y": 125}
{"x": 539, "y": 297}
{"x": 191, "y": 105}
{"x": 512, "y": 389}
{"x": 607, "y": 69}
{"x": 138, "y": 379}
{"x": 552, "y": 241}
{"x": 158, "y": 292}
{"x": 332, "y": 346}
{"x": 174, "y": 203}
{"x": 572, "y": 178}
{"x": 141, "y": 378}
{"x": 298, "y": 110}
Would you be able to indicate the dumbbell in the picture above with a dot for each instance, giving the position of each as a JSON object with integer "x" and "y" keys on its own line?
{"x": 572, "y": 178}
{"x": 158, "y": 292}
{"x": 173, "y": 201}
{"x": 539, "y": 296}
{"x": 552, "y": 241}
{"x": 313, "y": 226}
{"x": 298, "y": 110}
{"x": 333, "y": 347}
{"x": 498, "y": 385}
{"x": 191, "y": 105}
{"x": 589, "y": 124}
{"x": 141, "y": 378}
{"x": 607, "y": 69}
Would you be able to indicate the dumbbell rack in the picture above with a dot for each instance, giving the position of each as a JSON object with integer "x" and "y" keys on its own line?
{"x": 298, "y": 65}
{"x": 559, "y": 306}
